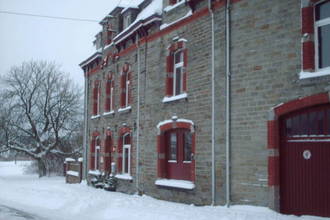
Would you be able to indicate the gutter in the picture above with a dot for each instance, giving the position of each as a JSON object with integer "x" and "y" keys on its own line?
{"x": 213, "y": 106}
{"x": 138, "y": 118}
{"x": 85, "y": 129}
{"x": 228, "y": 102}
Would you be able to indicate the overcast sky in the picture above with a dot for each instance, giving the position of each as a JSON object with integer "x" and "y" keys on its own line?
{"x": 66, "y": 42}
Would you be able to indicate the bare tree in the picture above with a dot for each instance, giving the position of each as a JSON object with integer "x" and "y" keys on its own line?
{"x": 41, "y": 110}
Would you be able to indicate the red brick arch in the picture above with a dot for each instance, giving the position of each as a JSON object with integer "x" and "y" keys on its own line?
{"x": 273, "y": 143}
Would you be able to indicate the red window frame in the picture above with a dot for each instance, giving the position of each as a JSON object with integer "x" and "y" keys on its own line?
{"x": 125, "y": 86}
{"x": 109, "y": 93}
{"x": 172, "y": 68}
{"x": 96, "y": 98}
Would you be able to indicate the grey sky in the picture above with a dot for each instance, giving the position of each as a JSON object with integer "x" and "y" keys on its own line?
{"x": 65, "y": 42}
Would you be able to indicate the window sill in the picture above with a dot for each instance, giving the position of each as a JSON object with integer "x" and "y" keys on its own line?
{"x": 126, "y": 109}
{"x": 306, "y": 75}
{"x": 109, "y": 113}
{"x": 181, "y": 184}
{"x": 95, "y": 116}
{"x": 171, "y": 7}
{"x": 174, "y": 98}
{"x": 124, "y": 176}
{"x": 94, "y": 172}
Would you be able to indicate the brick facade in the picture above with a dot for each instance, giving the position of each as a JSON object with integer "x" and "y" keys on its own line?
{"x": 268, "y": 53}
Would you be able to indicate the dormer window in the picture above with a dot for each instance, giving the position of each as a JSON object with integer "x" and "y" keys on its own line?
{"x": 173, "y": 2}
{"x": 127, "y": 21}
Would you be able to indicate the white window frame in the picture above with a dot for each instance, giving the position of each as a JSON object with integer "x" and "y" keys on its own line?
{"x": 127, "y": 21}
{"x": 181, "y": 66}
{"x": 318, "y": 24}
{"x": 126, "y": 146}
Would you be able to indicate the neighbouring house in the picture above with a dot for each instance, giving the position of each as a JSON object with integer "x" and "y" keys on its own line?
{"x": 214, "y": 102}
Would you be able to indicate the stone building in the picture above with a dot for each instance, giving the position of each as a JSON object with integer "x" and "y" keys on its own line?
{"x": 214, "y": 102}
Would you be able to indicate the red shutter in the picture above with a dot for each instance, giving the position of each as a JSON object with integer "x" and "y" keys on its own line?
{"x": 161, "y": 165}
{"x": 169, "y": 75}
{"x": 108, "y": 87}
{"x": 122, "y": 90}
{"x": 185, "y": 63}
{"x": 92, "y": 155}
{"x": 95, "y": 100}
{"x": 113, "y": 96}
{"x": 307, "y": 20}
{"x": 172, "y": 2}
{"x": 120, "y": 156}
{"x": 308, "y": 56}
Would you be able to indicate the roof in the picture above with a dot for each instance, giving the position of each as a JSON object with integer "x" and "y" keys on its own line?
{"x": 90, "y": 59}
{"x": 153, "y": 10}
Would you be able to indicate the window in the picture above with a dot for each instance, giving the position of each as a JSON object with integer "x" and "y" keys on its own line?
{"x": 109, "y": 104}
{"x": 315, "y": 38}
{"x": 96, "y": 98}
{"x": 127, "y": 21}
{"x": 176, "y": 147}
{"x": 108, "y": 151}
{"x": 322, "y": 34}
{"x": 126, "y": 154}
{"x": 95, "y": 148}
{"x": 176, "y": 74}
{"x": 125, "y": 87}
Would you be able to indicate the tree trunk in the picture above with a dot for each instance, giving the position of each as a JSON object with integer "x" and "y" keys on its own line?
{"x": 41, "y": 168}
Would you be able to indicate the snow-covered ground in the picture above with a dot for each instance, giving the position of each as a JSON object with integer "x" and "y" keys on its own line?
{"x": 50, "y": 198}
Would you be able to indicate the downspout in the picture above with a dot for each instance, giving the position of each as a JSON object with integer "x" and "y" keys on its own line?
{"x": 213, "y": 105}
{"x": 85, "y": 162}
{"x": 228, "y": 102}
{"x": 138, "y": 118}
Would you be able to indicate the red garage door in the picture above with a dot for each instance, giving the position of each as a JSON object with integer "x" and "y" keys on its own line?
{"x": 305, "y": 162}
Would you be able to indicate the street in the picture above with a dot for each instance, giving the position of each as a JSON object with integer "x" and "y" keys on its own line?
{"x": 8, "y": 213}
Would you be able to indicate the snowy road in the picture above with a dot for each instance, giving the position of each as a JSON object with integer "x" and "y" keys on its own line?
{"x": 50, "y": 198}
{"x": 8, "y": 213}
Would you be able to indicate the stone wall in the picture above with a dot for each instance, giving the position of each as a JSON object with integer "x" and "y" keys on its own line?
{"x": 265, "y": 64}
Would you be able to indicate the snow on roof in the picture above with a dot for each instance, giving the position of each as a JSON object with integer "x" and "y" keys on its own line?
{"x": 131, "y": 4}
{"x": 90, "y": 59}
{"x": 154, "y": 8}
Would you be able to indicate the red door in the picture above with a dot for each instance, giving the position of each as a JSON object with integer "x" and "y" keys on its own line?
{"x": 178, "y": 155}
{"x": 305, "y": 162}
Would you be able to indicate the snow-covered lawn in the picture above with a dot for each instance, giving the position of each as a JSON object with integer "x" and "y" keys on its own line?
{"x": 51, "y": 198}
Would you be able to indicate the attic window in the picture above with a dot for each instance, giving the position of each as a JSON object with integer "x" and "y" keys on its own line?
{"x": 127, "y": 21}
{"x": 173, "y": 2}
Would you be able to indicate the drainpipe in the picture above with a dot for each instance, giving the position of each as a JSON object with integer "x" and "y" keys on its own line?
{"x": 228, "y": 94}
{"x": 213, "y": 105}
{"x": 85, "y": 129}
{"x": 138, "y": 118}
